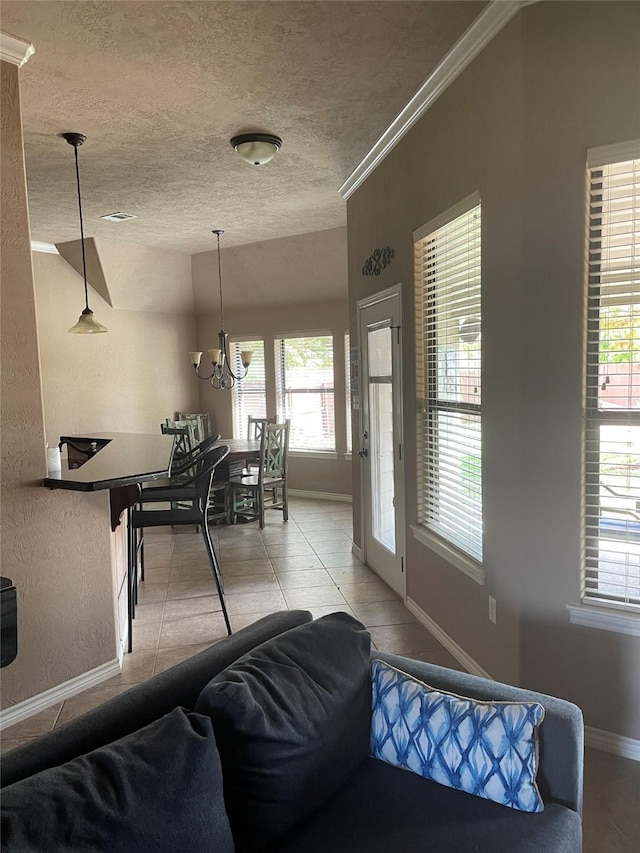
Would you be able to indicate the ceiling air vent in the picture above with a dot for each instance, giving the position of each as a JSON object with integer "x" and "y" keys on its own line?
{"x": 118, "y": 217}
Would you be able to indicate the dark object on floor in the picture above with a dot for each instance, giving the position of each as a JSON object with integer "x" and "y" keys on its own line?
{"x": 8, "y": 621}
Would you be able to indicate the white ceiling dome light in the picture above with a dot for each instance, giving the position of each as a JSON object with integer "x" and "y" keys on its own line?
{"x": 256, "y": 148}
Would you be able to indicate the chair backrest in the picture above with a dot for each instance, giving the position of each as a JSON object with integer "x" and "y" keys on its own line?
{"x": 200, "y": 423}
{"x": 207, "y": 465}
{"x": 255, "y": 427}
{"x": 274, "y": 449}
{"x": 188, "y": 462}
{"x": 181, "y": 439}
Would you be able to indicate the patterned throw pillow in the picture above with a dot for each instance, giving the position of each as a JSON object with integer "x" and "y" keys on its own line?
{"x": 489, "y": 749}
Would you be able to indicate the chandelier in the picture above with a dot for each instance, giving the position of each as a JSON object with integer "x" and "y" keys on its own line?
{"x": 222, "y": 375}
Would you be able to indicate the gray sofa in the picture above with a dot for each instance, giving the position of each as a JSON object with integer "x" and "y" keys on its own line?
{"x": 377, "y": 807}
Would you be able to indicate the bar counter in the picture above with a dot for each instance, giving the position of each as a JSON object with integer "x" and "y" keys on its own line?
{"x": 124, "y": 459}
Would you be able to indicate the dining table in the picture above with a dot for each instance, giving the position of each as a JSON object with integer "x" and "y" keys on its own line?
{"x": 241, "y": 452}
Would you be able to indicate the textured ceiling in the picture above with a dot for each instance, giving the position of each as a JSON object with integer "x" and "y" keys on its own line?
{"x": 160, "y": 88}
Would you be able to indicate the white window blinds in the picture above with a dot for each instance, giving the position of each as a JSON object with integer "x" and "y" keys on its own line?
{"x": 305, "y": 390}
{"x": 448, "y": 367}
{"x": 612, "y": 553}
{"x": 249, "y": 394}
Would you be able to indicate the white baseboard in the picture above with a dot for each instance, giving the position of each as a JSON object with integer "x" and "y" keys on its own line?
{"x": 319, "y": 496}
{"x": 444, "y": 639}
{"x": 24, "y": 710}
{"x": 356, "y": 550}
{"x": 626, "y": 747}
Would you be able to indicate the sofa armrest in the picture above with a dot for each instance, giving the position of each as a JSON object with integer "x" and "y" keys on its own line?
{"x": 179, "y": 686}
{"x": 561, "y": 734}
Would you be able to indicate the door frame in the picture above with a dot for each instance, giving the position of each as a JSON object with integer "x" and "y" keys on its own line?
{"x": 399, "y": 498}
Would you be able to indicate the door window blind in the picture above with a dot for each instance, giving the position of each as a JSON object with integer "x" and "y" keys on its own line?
{"x": 248, "y": 395}
{"x": 448, "y": 374}
{"x": 305, "y": 390}
{"x": 612, "y": 553}
{"x": 347, "y": 373}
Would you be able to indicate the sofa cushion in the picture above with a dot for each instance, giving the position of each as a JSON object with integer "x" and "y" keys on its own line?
{"x": 292, "y": 720}
{"x": 157, "y": 789}
{"x": 383, "y": 809}
{"x": 142, "y": 704}
{"x": 489, "y": 749}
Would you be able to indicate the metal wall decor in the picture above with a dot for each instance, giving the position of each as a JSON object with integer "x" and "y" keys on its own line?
{"x": 380, "y": 259}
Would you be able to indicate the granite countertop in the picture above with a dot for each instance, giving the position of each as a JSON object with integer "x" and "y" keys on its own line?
{"x": 127, "y": 458}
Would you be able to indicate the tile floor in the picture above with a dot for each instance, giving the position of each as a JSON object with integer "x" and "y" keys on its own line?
{"x": 306, "y": 563}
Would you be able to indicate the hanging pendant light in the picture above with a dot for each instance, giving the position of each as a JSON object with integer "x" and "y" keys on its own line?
{"x": 222, "y": 375}
{"x": 87, "y": 323}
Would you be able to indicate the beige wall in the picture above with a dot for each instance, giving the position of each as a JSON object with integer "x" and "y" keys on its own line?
{"x": 318, "y": 475}
{"x": 55, "y": 546}
{"x": 128, "y": 380}
{"x": 312, "y": 267}
{"x": 515, "y": 125}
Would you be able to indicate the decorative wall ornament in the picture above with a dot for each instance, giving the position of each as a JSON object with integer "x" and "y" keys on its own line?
{"x": 380, "y": 259}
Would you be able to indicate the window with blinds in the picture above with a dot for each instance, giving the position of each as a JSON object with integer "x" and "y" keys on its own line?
{"x": 612, "y": 540}
{"x": 347, "y": 374}
{"x": 248, "y": 395}
{"x": 305, "y": 390}
{"x": 448, "y": 368}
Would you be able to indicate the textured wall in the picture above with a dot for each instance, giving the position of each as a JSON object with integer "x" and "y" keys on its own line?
{"x": 305, "y": 268}
{"x": 55, "y": 545}
{"x": 561, "y": 77}
{"x": 128, "y": 380}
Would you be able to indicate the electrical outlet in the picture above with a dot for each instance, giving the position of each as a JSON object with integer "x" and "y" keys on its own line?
{"x": 492, "y": 610}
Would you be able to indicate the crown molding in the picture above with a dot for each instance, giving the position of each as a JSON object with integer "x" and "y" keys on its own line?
{"x": 14, "y": 50}
{"x": 486, "y": 26}
{"x": 48, "y": 248}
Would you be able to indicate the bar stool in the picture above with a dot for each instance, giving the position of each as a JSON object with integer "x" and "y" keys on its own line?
{"x": 196, "y": 515}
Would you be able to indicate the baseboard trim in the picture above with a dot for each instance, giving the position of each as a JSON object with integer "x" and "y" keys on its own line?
{"x": 444, "y": 639}
{"x": 356, "y": 551}
{"x": 24, "y": 710}
{"x": 319, "y": 496}
{"x": 625, "y": 747}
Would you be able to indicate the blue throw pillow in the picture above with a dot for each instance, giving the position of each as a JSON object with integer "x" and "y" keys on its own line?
{"x": 489, "y": 749}
{"x": 292, "y": 720}
{"x": 157, "y": 789}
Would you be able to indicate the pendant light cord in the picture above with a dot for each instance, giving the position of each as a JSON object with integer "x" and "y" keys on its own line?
{"x": 220, "y": 282}
{"x": 84, "y": 260}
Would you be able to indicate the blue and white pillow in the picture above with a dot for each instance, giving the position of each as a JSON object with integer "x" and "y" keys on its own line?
{"x": 489, "y": 749}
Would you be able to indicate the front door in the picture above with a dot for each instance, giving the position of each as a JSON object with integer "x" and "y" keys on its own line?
{"x": 381, "y": 437}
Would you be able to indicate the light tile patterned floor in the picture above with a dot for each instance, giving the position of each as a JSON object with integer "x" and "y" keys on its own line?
{"x": 306, "y": 563}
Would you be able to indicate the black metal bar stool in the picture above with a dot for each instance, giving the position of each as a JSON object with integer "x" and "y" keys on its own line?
{"x": 195, "y": 515}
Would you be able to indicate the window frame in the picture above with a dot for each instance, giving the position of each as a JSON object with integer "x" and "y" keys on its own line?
{"x": 430, "y": 403}
{"x": 239, "y": 431}
{"x": 600, "y": 610}
{"x": 280, "y": 386}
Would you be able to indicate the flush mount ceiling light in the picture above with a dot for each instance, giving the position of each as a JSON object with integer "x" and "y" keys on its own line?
{"x": 222, "y": 374}
{"x": 256, "y": 148}
{"x": 87, "y": 323}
